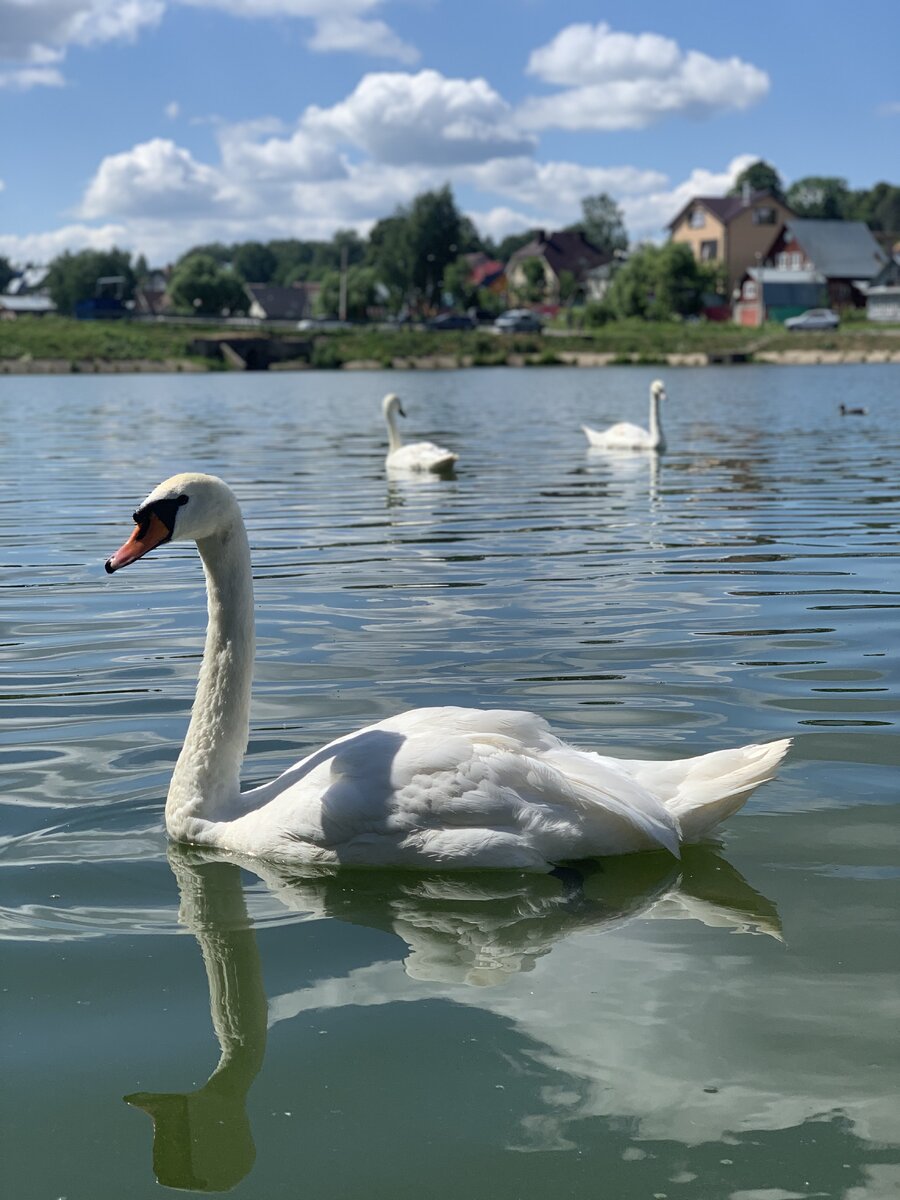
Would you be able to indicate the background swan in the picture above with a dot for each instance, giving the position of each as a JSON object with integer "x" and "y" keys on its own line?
{"x": 625, "y": 436}
{"x": 414, "y": 456}
{"x": 432, "y": 787}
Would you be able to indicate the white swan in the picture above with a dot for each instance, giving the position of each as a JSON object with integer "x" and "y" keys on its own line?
{"x": 626, "y": 436}
{"x": 433, "y": 787}
{"x": 415, "y": 456}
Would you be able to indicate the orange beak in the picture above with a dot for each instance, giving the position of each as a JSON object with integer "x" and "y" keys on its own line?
{"x": 141, "y": 542}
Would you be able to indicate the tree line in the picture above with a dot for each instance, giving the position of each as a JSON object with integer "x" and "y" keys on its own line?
{"x": 415, "y": 259}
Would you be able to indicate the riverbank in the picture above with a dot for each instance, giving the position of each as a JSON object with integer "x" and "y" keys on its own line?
{"x": 57, "y": 345}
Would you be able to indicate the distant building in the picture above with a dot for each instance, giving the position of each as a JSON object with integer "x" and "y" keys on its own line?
{"x": 486, "y": 272}
{"x": 151, "y": 298}
{"x": 734, "y": 231}
{"x": 565, "y": 250}
{"x": 271, "y": 302}
{"x": 22, "y": 306}
{"x": 883, "y": 293}
{"x": 774, "y": 293}
{"x": 844, "y": 252}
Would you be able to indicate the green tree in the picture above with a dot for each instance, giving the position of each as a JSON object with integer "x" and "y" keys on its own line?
{"x": 458, "y": 283}
{"x": 879, "y": 207}
{"x": 824, "y": 196}
{"x": 254, "y": 262}
{"x": 535, "y": 279}
{"x": 390, "y": 253}
{"x": 218, "y": 251}
{"x": 411, "y": 249}
{"x": 761, "y": 176}
{"x": 200, "y": 285}
{"x": 659, "y": 282}
{"x": 361, "y": 295}
{"x": 6, "y": 273}
{"x": 435, "y": 232}
{"x": 73, "y": 277}
{"x": 603, "y": 224}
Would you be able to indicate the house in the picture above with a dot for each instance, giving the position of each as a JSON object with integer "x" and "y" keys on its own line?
{"x": 731, "y": 231}
{"x": 271, "y": 302}
{"x": 12, "y": 306}
{"x": 566, "y": 250}
{"x": 774, "y": 293}
{"x": 151, "y": 295}
{"x": 27, "y": 295}
{"x": 486, "y": 272}
{"x": 844, "y": 252}
{"x": 883, "y": 293}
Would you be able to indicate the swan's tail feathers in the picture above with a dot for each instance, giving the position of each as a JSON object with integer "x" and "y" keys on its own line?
{"x": 704, "y": 791}
{"x": 593, "y": 435}
{"x": 445, "y": 463}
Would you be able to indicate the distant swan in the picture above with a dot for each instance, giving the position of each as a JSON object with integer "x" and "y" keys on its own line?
{"x": 432, "y": 787}
{"x": 847, "y": 411}
{"x": 415, "y": 456}
{"x": 626, "y": 436}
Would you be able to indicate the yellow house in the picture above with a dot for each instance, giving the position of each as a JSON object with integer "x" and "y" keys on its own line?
{"x": 734, "y": 231}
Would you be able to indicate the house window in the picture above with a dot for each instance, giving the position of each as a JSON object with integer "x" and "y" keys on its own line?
{"x": 697, "y": 219}
{"x": 709, "y": 250}
{"x": 796, "y": 260}
{"x": 764, "y": 216}
{"x": 782, "y": 261}
{"x": 750, "y": 290}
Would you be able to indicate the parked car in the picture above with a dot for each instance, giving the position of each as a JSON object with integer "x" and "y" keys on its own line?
{"x": 814, "y": 318}
{"x": 518, "y": 320}
{"x": 450, "y": 320}
{"x": 322, "y": 324}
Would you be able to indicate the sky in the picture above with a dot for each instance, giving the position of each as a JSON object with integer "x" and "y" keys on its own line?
{"x": 155, "y": 125}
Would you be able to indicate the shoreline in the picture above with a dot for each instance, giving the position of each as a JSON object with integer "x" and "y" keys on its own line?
{"x": 448, "y": 362}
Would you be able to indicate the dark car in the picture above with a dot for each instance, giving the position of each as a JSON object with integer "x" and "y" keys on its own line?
{"x": 450, "y": 321}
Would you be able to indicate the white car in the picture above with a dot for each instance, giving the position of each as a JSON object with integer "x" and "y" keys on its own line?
{"x": 518, "y": 320}
{"x": 814, "y": 318}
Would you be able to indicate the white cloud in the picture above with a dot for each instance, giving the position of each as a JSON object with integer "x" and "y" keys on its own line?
{"x": 620, "y": 81}
{"x": 249, "y": 153}
{"x": 42, "y": 247}
{"x": 155, "y": 177}
{"x": 557, "y": 187}
{"x": 35, "y": 34}
{"x": 400, "y": 118}
{"x": 647, "y": 215}
{"x": 891, "y": 109}
{"x": 173, "y": 110}
{"x": 363, "y": 37}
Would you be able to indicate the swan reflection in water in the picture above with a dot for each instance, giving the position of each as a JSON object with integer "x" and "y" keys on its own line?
{"x": 476, "y": 929}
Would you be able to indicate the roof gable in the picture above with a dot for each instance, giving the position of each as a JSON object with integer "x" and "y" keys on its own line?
{"x": 282, "y": 303}
{"x": 839, "y": 249}
{"x": 563, "y": 250}
{"x": 725, "y": 208}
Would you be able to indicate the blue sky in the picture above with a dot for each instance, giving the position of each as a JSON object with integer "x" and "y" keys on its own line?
{"x": 156, "y": 124}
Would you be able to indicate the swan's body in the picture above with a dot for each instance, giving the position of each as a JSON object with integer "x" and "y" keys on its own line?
{"x": 414, "y": 456}
{"x": 432, "y": 787}
{"x": 625, "y": 436}
{"x": 847, "y": 411}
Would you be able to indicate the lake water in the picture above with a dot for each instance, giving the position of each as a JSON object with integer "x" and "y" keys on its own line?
{"x": 726, "y": 1027}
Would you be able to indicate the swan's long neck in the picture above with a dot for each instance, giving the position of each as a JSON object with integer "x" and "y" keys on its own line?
{"x": 206, "y": 781}
{"x": 394, "y": 439}
{"x": 656, "y": 432}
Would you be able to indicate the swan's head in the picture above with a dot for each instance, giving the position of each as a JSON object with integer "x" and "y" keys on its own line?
{"x": 185, "y": 508}
{"x": 658, "y": 389}
{"x": 391, "y": 404}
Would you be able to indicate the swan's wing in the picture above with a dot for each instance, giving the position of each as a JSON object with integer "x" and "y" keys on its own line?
{"x": 622, "y": 434}
{"x": 421, "y": 456}
{"x": 456, "y": 786}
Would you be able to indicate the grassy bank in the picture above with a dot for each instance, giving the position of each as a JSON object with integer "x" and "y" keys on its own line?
{"x": 36, "y": 343}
